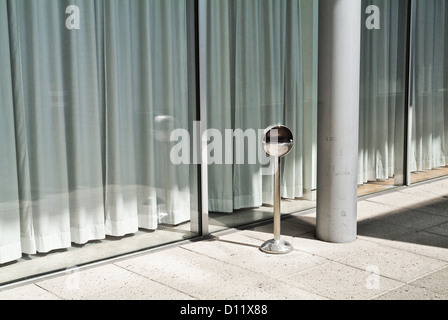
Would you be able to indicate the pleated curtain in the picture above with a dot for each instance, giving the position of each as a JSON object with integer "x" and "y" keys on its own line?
{"x": 382, "y": 91}
{"x": 429, "y": 149}
{"x": 255, "y": 78}
{"x": 10, "y": 240}
{"x": 383, "y": 84}
{"x": 84, "y": 119}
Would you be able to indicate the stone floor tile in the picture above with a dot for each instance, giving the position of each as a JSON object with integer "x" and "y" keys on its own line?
{"x": 436, "y": 281}
{"x": 342, "y": 282}
{"x": 109, "y": 282}
{"x": 252, "y": 258}
{"x": 417, "y": 220}
{"x": 379, "y": 231}
{"x": 275, "y": 290}
{"x": 330, "y": 251}
{"x": 215, "y": 280}
{"x": 437, "y": 206}
{"x": 441, "y": 229}
{"x": 401, "y": 199}
{"x": 393, "y": 263}
{"x": 410, "y": 292}
{"x": 27, "y": 292}
{"x": 154, "y": 263}
{"x": 369, "y": 209}
{"x": 423, "y": 243}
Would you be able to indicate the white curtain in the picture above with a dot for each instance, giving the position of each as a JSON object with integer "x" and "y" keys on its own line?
{"x": 382, "y": 90}
{"x": 84, "y": 118}
{"x": 146, "y": 97}
{"x": 255, "y": 79}
{"x": 429, "y": 148}
{"x": 10, "y": 246}
{"x": 383, "y": 86}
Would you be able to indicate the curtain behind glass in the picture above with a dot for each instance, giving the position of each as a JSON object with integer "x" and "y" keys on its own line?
{"x": 382, "y": 90}
{"x": 57, "y": 94}
{"x": 255, "y": 79}
{"x": 10, "y": 247}
{"x": 147, "y": 98}
{"x": 429, "y": 147}
{"x": 84, "y": 120}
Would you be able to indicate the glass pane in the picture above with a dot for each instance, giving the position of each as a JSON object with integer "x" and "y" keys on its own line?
{"x": 382, "y": 96}
{"x": 94, "y": 92}
{"x": 429, "y": 141}
{"x": 261, "y": 71}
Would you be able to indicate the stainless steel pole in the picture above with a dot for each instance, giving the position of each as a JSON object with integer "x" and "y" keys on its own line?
{"x": 277, "y": 142}
{"x": 277, "y": 212}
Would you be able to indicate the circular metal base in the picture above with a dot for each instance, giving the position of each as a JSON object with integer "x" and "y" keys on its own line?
{"x": 276, "y": 246}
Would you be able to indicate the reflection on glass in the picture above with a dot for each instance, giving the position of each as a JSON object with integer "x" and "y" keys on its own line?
{"x": 261, "y": 71}
{"x": 85, "y": 122}
{"x": 382, "y": 98}
{"x": 429, "y": 147}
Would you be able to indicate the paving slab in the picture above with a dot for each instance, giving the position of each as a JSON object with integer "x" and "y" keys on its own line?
{"x": 108, "y": 282}
{"x": 342, "y": 282}
{"x": 161, "y": 262}
{"x": 216, "y": 280}
{"x": 380, "y": 231}
{"x": 428, "y": 189}
{"x": 427, "y": 197}
{"x": 423, "y": 243}
{"x": 410, "y": 292}
{"x": 252, "y": 258}
{"x": 436, "y": 281}
{"x": 403, "y": 199}
{"x": 404, "y": 217}
{"x": 430, "y": 198}
{"x": 368, "y": 209}
{"x": 436, "y": 206}
{"x": 275, "y": 290}
{"x": 28, "y": 292}
{"x": 417, "y": 220}
{"x": 441, "y": 229}
{"x": 308, "y": 243}
{"x": 393, "y": 263}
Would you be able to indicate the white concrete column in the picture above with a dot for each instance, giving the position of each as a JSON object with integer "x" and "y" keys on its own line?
{"x": 338, "y": 111}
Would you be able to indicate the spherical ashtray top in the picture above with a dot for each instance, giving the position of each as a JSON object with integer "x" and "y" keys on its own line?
{"x": 277, "y": 141}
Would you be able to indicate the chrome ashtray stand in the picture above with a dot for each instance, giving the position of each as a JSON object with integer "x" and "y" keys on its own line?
{"x": 277, "y": 142}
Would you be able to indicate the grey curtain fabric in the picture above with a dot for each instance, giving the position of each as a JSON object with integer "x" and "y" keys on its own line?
{"x": 10, "y": 245}
{"x": 382, "y": 92}
{"x": 256, "y": 79}
{"x": 85, "y": 115}
{"x": 383, "y": 86}
{"x": 146, "y": 91}
{"x": 429, "y": 148}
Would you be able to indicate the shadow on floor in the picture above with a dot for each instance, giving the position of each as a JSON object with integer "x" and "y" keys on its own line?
{"x": 425, "y": 223}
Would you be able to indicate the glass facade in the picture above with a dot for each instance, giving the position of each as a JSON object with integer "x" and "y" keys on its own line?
{"x": 103, "y": 105}
{"x": 428, "y": 88}
{"x": 383, "y": 96}
{"x": 91, "y": 91}
{"x": 261, "y": 70}
{"x": 403, "y": 94}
